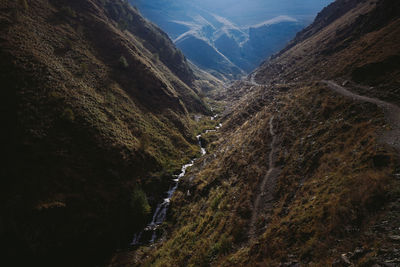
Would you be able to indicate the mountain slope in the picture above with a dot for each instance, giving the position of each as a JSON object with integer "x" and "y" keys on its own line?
{"x": 302, "y": 171}
{"x": 346, "y": 40}
{"x": 102, "y": 102}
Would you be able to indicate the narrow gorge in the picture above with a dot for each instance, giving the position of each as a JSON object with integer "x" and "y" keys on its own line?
{"x": 200, "y": 133}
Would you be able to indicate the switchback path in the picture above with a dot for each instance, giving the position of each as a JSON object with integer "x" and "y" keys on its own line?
{"x": 392, "y": 113}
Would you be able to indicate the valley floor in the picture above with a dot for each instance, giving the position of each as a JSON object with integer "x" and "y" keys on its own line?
{"x": 299, "y": 173}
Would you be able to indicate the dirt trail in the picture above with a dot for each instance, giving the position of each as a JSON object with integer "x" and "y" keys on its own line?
{"x": 264, "y": 198}
{"x": 392, "y": 113}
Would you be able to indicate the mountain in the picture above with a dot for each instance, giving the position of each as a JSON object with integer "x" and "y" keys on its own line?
{"x": 97, "y": 108}
{"x": 305, "y": 169}
{"x": 268, "y": 37}
{"x": 207, "y": 57}
{"x": 344, "y": 46}
{"x": 236, "y": 39}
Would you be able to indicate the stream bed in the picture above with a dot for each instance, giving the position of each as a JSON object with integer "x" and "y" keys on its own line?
{"x": 149, "y": 233}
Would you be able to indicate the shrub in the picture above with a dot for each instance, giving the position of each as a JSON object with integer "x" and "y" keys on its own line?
{"x": 123, "y": 62}
{"x": 68, "y": 115}
{"x": 139, "y": 204}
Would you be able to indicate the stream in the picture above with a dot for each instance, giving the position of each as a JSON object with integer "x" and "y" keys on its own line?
{"x": 149, "y": 233}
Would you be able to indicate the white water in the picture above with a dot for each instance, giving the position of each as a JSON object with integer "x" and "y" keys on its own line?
{"x": 202, "y": 149}
{"x": 161, "y": 210}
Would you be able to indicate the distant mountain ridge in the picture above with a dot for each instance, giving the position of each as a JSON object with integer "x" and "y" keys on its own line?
{"x": 212, "y": 40}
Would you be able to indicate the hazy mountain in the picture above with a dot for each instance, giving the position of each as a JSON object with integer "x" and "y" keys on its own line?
{"x": 244, "y": 34}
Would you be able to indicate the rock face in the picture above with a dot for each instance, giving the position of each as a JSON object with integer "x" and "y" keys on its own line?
{"x": 101, "y": 99}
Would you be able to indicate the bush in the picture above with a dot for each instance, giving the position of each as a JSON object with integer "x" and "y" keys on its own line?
{"x": 140, "y": 205}
{"x": 123, "y": 62}
{"x": 68, "y": 115}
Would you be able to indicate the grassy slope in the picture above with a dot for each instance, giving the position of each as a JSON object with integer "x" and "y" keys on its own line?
{"x": 95, "y": 118}
{"x": 346, "y": 43}
{"x": 336, "y": 183}
{"x": 329, "y": 187}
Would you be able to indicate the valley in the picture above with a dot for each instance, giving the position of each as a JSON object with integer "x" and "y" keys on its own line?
{"x": 304, "y": 171}
{"x": 230, "y": 42}
{"x": 265, "y": 137}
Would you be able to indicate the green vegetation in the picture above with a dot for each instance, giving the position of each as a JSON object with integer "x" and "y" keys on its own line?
{"x": 203, "y": 123}
{"x": 100, "y": 144}
{"x": 123, "y": 63}
{"x": 328, "y": 186}
{"x": 140, "y": 206}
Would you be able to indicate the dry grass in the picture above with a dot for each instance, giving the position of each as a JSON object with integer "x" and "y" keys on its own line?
{"x": 329, "y": 188}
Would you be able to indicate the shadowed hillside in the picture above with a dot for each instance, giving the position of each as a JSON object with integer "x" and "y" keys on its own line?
{"x": 101, "y": 101}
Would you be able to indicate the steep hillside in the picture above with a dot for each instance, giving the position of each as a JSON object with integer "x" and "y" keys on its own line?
{"x": 305, "y": 170}
{"x": 97, "y": 104}
{"x": 355, "y": 41}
